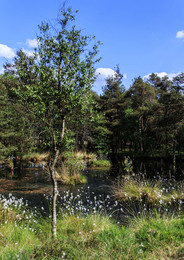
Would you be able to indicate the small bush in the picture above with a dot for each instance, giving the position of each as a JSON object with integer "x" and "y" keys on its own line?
{"x": 70, "y": 172}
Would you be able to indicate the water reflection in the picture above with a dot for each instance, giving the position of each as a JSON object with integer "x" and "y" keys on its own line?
{"x": 163, "y": 168}
{"x": 36, "y": 188}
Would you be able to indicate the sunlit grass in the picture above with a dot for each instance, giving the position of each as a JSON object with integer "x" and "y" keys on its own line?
{"x": 80, "y": 155}
{"x": 76, "y": 178}
{"x": 36, "y": 157}
{"x": 17, "y": 230}
{"x": 99, "y": 163}
{"x": 87, "y": 231}
{"x": 84, "y": 155}
{"x": 158, "y": 192}
{"x": 94, "y": 236}
{"x": 16, "y": 241}
{"x": 91, "y": 158}
{"x": 97, "y": 236}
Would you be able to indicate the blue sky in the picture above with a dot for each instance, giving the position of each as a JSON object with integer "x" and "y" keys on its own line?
{"x": 141, "y": 36}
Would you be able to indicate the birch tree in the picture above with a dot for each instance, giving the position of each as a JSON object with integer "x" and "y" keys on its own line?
{"x": 60, "y": 72}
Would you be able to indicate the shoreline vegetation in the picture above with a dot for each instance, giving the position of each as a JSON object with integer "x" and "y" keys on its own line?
{"x": 91, "y": 159}
{"x": 71, "y": 165}
{"x": 69, "y": 168}
{"x": 137, "y": 187}
{"x": 26, "y": 235}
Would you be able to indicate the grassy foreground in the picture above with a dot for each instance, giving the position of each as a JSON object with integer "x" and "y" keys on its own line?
{"x": 24, "y": 235}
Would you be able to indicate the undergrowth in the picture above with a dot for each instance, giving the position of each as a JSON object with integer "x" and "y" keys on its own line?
{"x": 25, "y": 235}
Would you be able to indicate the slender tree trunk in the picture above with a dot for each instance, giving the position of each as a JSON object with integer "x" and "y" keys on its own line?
{"x": 55, "y": 193}
{"x": 54, "y": 180}
{"x": 11, "y": 167}
{"x": 63, "y": 128}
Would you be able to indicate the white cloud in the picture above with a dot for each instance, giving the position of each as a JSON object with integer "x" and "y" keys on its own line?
{"x": 124, "y": 76}
{"x": 172, "y": 75}
{"x": 104, "y": 72}
{"x": 6, "y": 51}
{"x": 32, "y": 43}
{"x": 162, "y": 74}
{"x": 28, "y": 52}
{"x": 1, "y": 71}
{"x": 180, "y": 34}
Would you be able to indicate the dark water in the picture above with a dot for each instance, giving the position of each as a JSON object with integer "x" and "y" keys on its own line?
{"x": 161, "y": 167}
{"x": 36, "y": 189}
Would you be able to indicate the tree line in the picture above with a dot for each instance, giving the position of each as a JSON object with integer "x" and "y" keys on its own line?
{"x": 147, "y": 119}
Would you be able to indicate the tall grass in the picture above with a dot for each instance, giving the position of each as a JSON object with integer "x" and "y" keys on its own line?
{"x": 96, "y": 237}
{"x": 71, "y": 171}
{"x": 80, "y": 155}
{"x": 17, "y": 229}
{"x": 25, "y": 235}
{"x": 91, "y": 159}
{"x": 155, "y": 192}
{"x": 99, "y": 163}
{"x": 36, "y": 157}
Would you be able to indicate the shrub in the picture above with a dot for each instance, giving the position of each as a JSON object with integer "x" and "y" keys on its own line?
{"x": 70, "y": 172}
